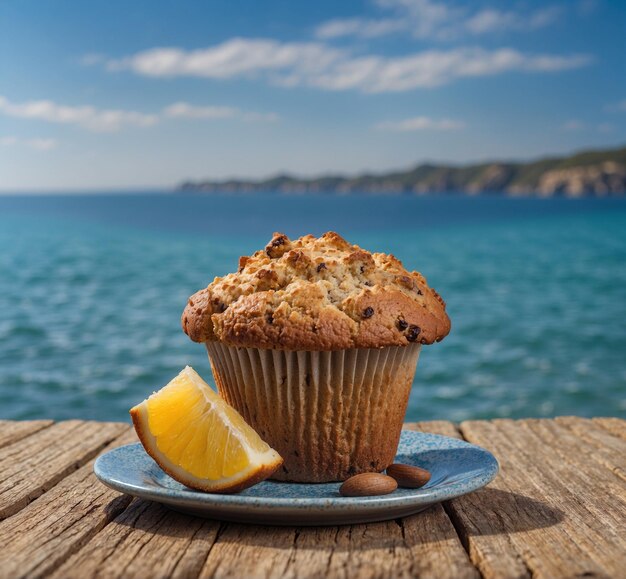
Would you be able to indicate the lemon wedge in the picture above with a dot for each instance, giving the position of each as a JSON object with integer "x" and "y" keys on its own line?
{"x": 199, "y": 440}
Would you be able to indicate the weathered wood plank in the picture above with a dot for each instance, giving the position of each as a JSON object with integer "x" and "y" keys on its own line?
{"x": 541, "y": 514}
{"x": 506, "y": 563}
{"x": 13, "y": 430}
{"x": 603, "y": 495}
{"x": 557, "y": 510}
{"x": 615, "y": 426}
{"x": 597, "y": 444}
{"x": 37, "y": 539}
{"x": 419, "y": 546}
{"x": 146, "y": 540}
{"x": 357, "y": 551}
{"x": 31, "y": 466}
{"x": 254, "y": 551}
{"x": 149, "y": 537}
{"x": 424, "y": 545}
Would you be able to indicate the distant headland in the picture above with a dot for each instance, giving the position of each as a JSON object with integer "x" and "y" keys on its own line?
{"x": 599, "y": 173}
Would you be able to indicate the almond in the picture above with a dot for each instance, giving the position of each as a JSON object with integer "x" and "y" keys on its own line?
{"x": 368, "y": 484}
{"x": 411, "y": 477}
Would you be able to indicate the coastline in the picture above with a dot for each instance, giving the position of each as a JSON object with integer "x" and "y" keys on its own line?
{"x": 585, "y": 174}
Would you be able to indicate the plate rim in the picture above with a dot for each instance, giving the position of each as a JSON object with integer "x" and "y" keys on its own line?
{"x": 427, "y": 495}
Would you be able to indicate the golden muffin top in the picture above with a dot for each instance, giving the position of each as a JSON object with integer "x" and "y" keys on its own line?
{"x": 317, "y": 294}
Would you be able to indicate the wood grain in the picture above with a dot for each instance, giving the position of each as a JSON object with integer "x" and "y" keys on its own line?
{"x": 147, "y": 536}
{"x": 424, "y": 545}
{"x": 146, "y": 540}
{"x": 557, "y": 509}
{"x": 41, "y": 536}
{"x": 597, "y": 444}
{"x": 543, "y": 516}
{"x": 32, "y": 465}
{"x": 615, "y": 426}
{"x": 12, "y": 431}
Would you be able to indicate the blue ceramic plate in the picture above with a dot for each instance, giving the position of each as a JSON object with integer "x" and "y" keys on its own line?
{"x": 457, "y": 468}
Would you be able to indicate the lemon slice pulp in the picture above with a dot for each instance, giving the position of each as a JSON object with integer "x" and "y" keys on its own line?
{"x": 199, "y": 440}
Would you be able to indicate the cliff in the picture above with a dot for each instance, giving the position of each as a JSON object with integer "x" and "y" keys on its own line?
{"x": 591, "y": 173}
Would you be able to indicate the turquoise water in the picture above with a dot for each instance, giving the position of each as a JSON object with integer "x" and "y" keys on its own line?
{"x": 92, "y": 287}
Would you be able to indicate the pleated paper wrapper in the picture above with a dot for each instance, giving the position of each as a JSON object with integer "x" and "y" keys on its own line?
{"x": 330, "y": 415}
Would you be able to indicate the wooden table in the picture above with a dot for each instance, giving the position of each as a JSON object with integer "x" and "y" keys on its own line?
{"x": 558, "y": 509}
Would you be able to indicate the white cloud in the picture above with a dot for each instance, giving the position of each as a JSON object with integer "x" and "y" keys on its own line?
{"x": 437, "y": 20}
{"x": 577, "y": 125}
{"x": 421, "y": 124}
{"x": 491, "y": 20}
{"x": 105, "y": 120}
{"x": 429, "y": 69}
{"x": 42, "y": 144}
{"x": 88, "y": 117}
{"x": 315, "y": 65}
{"x": 425, "y": 18}
{"x": 363, "y": 27}
{"x": 187, "y": 111}
{"x": 38, "y": 143}
{"x": 235, "y": 57}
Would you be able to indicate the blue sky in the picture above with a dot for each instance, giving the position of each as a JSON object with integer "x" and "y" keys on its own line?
{"x": 112, "y": 94}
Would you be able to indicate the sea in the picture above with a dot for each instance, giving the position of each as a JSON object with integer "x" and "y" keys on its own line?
{"x": 92, "y": 288}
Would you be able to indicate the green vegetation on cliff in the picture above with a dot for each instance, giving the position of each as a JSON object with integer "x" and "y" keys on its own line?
{"x": 590, "y": 173}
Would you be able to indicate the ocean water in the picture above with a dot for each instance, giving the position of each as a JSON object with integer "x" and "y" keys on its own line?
{"x": 92, "y": 288}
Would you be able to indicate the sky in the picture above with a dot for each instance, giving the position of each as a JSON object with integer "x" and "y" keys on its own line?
{"x": 114, "y": 94}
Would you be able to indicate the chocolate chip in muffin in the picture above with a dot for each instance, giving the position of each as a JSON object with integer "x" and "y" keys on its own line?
{"x": 413, "y": 332}
{"x": 406, "y": 281}
{"x": 275, "y": 247}
{"x": 319, "y": 291}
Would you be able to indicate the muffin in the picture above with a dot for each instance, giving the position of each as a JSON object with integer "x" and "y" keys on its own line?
{"x": 315, "y": 342}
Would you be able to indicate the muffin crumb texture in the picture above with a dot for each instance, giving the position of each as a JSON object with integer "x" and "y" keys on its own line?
{"x": 317, "y": 294}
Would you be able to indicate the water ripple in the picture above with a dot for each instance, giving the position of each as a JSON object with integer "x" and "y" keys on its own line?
{"x": 91, "y": 293}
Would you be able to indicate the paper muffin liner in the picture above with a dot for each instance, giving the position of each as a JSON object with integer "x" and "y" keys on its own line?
{"x": 330, "y": 415}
